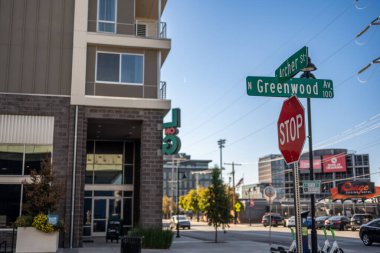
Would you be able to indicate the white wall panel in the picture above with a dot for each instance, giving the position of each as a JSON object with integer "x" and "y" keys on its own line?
{"x": 22, "y": 129}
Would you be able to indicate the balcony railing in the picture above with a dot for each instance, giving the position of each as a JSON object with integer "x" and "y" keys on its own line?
{"x": 162, "y": 90}
{"x": 142, "y": 28}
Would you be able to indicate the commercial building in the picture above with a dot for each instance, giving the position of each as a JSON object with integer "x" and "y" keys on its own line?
{"x": 331, "y": 166}
{"x": 192, "y": 173}
{"x": 80, "y": 83}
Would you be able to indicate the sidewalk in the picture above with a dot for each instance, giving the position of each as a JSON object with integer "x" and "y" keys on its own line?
{"x": 180, "y": 245}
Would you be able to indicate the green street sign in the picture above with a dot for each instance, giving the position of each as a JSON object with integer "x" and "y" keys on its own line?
{"x": 293, "y": 64}
{"x": 300, "y": 87}
{"x": 311, "y": 187}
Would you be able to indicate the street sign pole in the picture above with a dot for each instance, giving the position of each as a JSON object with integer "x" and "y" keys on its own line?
{"x": 296, "y": 187}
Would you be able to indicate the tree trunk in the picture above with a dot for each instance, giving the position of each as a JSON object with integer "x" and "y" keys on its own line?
{"x": 216, "y": 234}
{"x": 197, "y": 216}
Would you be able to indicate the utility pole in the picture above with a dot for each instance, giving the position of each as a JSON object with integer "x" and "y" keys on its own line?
{"x": 233, "y": 186}
{"x": 221, "y": 143}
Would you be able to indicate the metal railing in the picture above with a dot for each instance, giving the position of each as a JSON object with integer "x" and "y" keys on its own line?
{"x": 162, "y": 90}
{"x": 141, "y": 28}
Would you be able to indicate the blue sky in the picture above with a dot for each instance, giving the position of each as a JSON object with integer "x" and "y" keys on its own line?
{"x": 217, "y": 44}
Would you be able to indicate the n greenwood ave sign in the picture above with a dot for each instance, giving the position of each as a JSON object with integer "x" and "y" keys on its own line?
{"x": 300, "y": 87}
{"x": 293, "y": 64}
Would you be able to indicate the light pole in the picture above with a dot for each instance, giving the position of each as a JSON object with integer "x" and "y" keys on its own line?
{"x": 221, "y": 143}
{"x": 183, "y": 177}
{"x": 249, "y": 205}
{"x": 233, "y": 187}
{"x": 308, "y": 75}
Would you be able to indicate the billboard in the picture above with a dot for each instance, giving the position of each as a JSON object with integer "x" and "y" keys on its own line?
{"x": 305, "y": 164}
{"x": 357, "y": 188}
{"x": 334, "y": 163}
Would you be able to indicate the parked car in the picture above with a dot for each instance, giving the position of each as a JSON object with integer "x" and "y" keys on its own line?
{"x": 292, "y": 222}
{"x": 359, "y": 219}
{"x": 179, "y": 220}
{"x": 338, "y": 222}
{"x": 320, "y": 222}
{"x": 370, "y": 232}
{"x": 276, "y": 220}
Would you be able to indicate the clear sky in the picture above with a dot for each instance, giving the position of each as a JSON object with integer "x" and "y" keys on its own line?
{"x": 216, "y": 44}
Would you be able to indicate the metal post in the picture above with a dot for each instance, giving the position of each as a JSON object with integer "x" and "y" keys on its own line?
{"x": 314, "y": 242}
{"x": 178, "y": 201}
{"x": 221, "y": 143}
{"x": 297, "y": 207}
{"x": 233, "y": 187}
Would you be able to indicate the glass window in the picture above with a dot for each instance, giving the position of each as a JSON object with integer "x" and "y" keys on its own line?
{"x": 128, "y": 174}
{"x": 107, "y": 16}
{"x": 108, "y": 67}
{"x": 10, "y": 197}
{"x": 34, "y": 156}
{"x": 120, "y": 68}
{"x": 127, "y": 212}
{"x": 131, "y": 68}
{"x": 10, "y": 163}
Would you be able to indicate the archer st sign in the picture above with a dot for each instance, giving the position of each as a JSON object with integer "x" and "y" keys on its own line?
{"x": 300, "y": 87}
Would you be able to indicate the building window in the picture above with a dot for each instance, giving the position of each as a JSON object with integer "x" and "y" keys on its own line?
{"x": 120, "y": 68}
{"x": 107, "y": 16}
{"x": 10, "y": 197}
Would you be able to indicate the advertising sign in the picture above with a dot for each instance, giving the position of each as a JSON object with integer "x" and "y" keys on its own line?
{"x": 356, "y": 188}
{"x": 172, "y": 144}
{"x": 305, "y": 164}
{"x": 334, "y": 163}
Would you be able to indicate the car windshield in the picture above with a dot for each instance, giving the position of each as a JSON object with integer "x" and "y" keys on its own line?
{"x": 322, "y": 218}
{"x": 182, "y": 217}
{"x": 335, "y": 218}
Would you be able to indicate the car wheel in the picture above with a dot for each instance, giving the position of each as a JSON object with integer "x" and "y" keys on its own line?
{"x": 366, "y": 239}
{"x": 353, "y": 228}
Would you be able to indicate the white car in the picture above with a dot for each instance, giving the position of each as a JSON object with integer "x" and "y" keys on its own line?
{"x": 179, "y": 220}
{"x": 291, "y": 222}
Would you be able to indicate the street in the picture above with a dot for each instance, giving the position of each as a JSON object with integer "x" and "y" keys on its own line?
{"x": 348, "y": 240}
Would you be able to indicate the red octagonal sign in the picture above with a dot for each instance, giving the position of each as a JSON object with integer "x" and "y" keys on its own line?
{"x": 291, "y": 129}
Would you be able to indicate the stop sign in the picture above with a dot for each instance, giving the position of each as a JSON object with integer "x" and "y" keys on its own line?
{"x": 291, "y": 129}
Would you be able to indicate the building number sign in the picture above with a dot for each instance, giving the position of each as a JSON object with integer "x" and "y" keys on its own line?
{"x": 172, "y": 143}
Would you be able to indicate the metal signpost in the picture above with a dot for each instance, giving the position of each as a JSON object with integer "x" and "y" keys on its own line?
{"x": 270, "y": 194}
{"x": 300, "y": 87}
{"x": 293, "y": 64}
{"x": 291, "y": 138}
{"x": 307, "y": 86}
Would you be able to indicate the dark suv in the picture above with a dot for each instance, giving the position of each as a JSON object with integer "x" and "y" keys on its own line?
{"x": 276, "y": 220}
{"x": 359, "y": 219}
{"x": 337, "y": 222}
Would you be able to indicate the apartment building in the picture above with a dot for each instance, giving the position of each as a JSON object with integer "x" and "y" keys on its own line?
{"x": 80, "y": 84}
{"x": 192, "y": 174}
{"x": 271, "y": 171}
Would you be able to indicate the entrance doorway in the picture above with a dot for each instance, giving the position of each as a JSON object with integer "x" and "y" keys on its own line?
{"x": 104, "y": 209}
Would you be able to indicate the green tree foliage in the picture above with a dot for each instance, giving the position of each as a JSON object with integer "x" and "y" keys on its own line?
{"x": 217, "y": 204}
{"x": 167, "y": 206}
{"x": 42, "y": 194}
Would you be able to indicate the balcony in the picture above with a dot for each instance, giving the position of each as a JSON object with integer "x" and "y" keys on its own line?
{"x": 141, "y": 28}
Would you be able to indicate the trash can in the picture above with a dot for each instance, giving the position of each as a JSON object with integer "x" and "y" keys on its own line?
{"x": 131, "y": 244}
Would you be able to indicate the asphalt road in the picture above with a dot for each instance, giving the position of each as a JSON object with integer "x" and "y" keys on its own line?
{"x": 348, "y": 240}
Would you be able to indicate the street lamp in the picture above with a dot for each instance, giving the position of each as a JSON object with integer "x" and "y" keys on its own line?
{"x": 183, "y": 177}
{"x": 311, "y": 67}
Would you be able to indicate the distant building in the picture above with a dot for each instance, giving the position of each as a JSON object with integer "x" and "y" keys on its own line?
{"x": 331, "y": 166}
{"x": 197, "y": 173}
{"x": 253, "y": 191}
{"x": 271, "y": 171}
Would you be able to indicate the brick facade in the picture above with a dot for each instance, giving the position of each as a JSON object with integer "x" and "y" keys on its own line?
{"x": 148, "y": 176}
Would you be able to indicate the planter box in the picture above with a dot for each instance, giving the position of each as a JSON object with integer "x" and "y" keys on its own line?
{"x": 32, "y": 240}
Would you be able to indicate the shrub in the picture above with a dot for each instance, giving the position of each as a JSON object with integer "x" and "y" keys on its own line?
{"x": 153, "y": 238}
{"x": 24, "y": 221}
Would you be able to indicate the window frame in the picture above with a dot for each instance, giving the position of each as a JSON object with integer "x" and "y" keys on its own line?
{"x": 120, "y": 67}
{"x": 105, "y": 21}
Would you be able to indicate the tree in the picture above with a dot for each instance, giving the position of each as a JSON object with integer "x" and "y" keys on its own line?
{"x": 42, "y": 194}
{"x": 167, "y": 206}
{"x": 217, "y": 204}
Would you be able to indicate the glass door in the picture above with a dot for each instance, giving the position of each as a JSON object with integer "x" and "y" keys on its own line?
{"x": 99, "y": 221}
{"x": 104, "y": 209}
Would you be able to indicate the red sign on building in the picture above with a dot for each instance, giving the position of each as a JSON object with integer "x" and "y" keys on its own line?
{"x": 305, "y": 164}
{"x": 334, "y": 163}
{"x": 291, "y": 129}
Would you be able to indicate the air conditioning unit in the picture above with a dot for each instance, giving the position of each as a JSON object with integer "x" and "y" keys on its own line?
{"x": 141, "y": 30}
